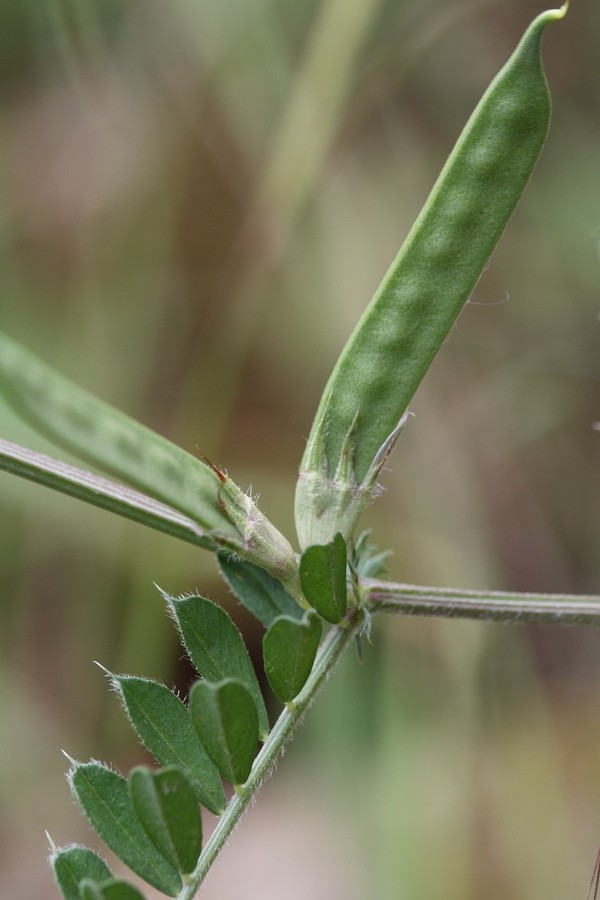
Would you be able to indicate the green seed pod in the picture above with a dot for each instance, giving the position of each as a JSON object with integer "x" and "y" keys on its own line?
{"x": 117, "y": 444}
{"x": 365, "y": 401}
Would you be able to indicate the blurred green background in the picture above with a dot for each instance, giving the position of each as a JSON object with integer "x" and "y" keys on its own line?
{"x": 197, "y": 201}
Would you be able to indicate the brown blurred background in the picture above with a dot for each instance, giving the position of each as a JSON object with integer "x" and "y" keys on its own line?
{"x": 197, "y": 201}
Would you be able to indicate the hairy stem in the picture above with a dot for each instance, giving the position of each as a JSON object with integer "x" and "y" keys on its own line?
{"x": 400, "y": 599}
{"x": 332, "y": 649}
{"x": 499, "y": 606}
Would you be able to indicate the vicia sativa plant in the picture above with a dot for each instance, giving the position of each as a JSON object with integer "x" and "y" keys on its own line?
{"x": 315, "y": 604}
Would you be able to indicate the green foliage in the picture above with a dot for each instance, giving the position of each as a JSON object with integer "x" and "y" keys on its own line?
{"x": 289, "y": 649}
{"x": 72, "y": 864}
{"x": 323, "y": 578}
{"x": 162, "y": 723}
{"x": 111, "y": 889}
{"x": 226, "y": 719}
{"x": 216, "y": 647}
{"x": 104, "y": 797}
{"x": 261, "y": 594}
{"x": 166, "y": 805}
{"x": 152, "y": 820}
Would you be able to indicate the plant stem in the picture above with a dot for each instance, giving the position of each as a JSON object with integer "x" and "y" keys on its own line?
{"x": 390, "y": 598}
{"x": 99, "y": 491}
{"x": 332, "y": 649}
{"x": 499, "y": 606}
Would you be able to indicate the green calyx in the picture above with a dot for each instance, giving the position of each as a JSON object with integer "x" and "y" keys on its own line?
{"x": 328, "y": 504}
